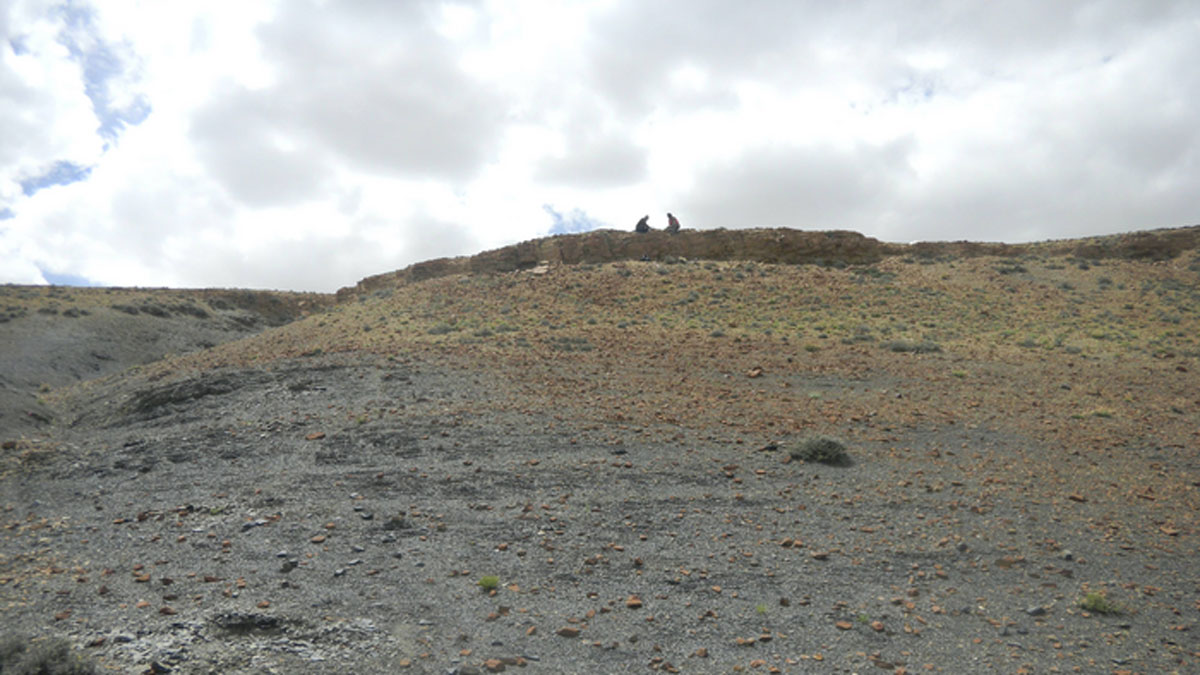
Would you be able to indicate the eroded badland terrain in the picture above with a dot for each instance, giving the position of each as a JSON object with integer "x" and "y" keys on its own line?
{"x": 586, "y": 454}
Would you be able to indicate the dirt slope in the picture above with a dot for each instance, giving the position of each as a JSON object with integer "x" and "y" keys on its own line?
{"x": 617, "y": 446}
{"x": 54, "y": 336}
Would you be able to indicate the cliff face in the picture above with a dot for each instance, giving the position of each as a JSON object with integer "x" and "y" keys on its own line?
{"x": 780, "y": 245}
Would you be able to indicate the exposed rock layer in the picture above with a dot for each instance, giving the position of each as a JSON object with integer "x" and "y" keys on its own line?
{"x": 781, "y": 245}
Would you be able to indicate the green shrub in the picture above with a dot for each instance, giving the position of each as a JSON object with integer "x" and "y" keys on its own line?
{"x": 1098, "y": 603}
{"x": 822, "y": 449}
{"x": 489, "y": 583}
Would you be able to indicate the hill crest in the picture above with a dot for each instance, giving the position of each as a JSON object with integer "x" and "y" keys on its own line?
{"x": 768, "y": 245}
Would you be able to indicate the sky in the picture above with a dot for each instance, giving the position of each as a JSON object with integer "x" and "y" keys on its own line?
{"x": 306, "y": 144}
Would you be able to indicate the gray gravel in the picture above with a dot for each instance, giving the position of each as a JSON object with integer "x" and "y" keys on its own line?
{"x": 337, "y": 513}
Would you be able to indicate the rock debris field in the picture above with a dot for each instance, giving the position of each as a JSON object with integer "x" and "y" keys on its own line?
{"x": 320, "y": 498}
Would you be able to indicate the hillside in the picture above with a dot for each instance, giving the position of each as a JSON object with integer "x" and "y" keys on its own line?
{"x": 55, "y": 336}
{"x": 779, "y": 245}
{"x": 588, "y": 454}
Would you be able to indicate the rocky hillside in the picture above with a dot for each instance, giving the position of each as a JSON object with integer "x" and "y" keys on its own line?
{"x": 55, "y": 336}
{"x": 654, "y": 453}
{"x": 781, "y": 245}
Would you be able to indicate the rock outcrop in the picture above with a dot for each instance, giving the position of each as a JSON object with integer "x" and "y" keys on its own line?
{"x": 779, "y": 245}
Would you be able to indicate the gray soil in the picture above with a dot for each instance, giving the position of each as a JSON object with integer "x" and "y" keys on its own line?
{"x": 337, "y": 514}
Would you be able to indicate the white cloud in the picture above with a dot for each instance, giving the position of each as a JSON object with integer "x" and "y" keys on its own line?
{"x": 308, "y": 144}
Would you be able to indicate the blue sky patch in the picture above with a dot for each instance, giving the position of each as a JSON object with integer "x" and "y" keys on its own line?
{"x": 66, "y": 279}
{"x": 61, "y": 173}
{"x": 571, "y": 223}
{"x": 6, "y": 213}
{"x": 101, "y": 64}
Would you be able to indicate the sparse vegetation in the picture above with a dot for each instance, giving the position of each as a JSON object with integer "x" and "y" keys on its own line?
{"x": 922, "y": 347}
{"x": 21, "y": 655}
{"x": 823, "y": 450}
{"x": 1098, "y": 603}
{"x": 485, "y": 392}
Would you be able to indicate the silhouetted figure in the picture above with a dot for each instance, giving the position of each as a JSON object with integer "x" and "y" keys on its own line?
{"x": 643, "y": 225}
{"x": 672, "y": 224}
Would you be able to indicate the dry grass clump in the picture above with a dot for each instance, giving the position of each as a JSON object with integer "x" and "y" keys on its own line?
{"x": 823, "y": 450}
{"x": 24, "y": 656}
{"x": 1098, "y": 603}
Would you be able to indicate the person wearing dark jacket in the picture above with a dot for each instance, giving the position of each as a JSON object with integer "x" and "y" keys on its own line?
{"x": 643, "y": 225}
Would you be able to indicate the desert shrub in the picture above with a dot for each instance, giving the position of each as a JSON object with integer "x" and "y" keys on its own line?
{"x": 489, "y": 583}
{"x": 25, "y": 656}
{"x": 1011, "y": 268}
{"x": 442, "y": 329}
{"x": 822, "y": 449}
{"x": 922, "y": 347}
{"x": 154, "y": 310}
{"x": 1098, "y": 603}
{"x": 569, "y": 344}
{"x": 190, "y": 310}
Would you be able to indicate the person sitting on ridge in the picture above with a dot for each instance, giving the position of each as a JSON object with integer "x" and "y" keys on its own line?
{"x": 643, "y": 225}
{"x": 672, "y": 224}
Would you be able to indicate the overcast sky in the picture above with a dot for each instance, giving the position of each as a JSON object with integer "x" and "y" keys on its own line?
{"x": 304, "y": 145}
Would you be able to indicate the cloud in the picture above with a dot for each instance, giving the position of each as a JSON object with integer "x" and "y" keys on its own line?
{"x": 815, "y": 187}
{"x": 245, "y": 143}
{"x": 308, "y": 144}
{"x": 44, "y": 113}
{"x": 108, "y": 73}
{"x": 369, "y": 88}
{"x": 595, "y": 163}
